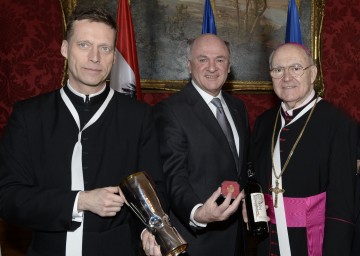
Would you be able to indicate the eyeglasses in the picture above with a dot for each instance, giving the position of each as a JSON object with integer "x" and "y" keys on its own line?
{"x": 295, "y": 71}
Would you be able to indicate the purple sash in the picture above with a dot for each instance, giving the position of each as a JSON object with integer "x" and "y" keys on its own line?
{"x": 306, "y": 212}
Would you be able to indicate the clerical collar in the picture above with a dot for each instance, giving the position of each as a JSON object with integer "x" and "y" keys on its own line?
{"x": 79, "y": 99}
{"x": 84, "y": 96}
{"x": 294, "y": 111}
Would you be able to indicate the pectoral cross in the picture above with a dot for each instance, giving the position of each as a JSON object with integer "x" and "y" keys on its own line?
{"x": 277, "y": 190}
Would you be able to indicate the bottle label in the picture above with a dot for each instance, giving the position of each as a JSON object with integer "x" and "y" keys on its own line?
{"x": 258, "y": 206}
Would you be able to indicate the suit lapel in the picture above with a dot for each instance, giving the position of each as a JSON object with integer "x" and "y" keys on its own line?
{"x": 204, "y": 114}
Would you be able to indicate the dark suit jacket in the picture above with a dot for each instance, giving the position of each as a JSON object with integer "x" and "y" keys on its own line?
{"x": 35, "y": 171}
{"x": 196, "y": 159}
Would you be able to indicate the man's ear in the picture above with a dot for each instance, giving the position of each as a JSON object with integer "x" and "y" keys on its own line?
{"x": 313, "y": 71}
{"x": 64, "y": 48}
{"x": 189, "y": 66}
{"x": 114, "y": 58}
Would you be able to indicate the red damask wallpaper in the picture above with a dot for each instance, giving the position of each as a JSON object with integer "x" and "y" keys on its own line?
{"x": 30, "y": 59}
{"x": 341, "y": 54}
{"x": 31, "y": 63}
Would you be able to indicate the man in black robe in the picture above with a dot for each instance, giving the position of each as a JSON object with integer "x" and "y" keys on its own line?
{"x": 304, "y": 151}
{"x": 64, "y": 153}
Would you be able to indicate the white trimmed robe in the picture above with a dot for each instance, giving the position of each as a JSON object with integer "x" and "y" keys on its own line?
{"x": 35, "y": 169}
{"x": 323, "y": 161}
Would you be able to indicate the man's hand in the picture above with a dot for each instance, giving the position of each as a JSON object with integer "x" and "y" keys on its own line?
{"x": 211, "y": 212}
{"x": 105, "y": 202}
{"x": 150, "y": 247}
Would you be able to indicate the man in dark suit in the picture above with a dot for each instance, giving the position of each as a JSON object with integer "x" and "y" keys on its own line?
{"x": 198, "y": 155}
{"x": 64, "y": 153}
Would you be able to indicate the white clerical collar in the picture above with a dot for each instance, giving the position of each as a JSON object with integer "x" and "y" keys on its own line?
{"x": 306, "y": 101}
{"x": 84, "y": 95}
{"x": 206, "y": 96}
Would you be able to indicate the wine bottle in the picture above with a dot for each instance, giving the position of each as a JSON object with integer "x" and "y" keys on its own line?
{"x": 255, "y": 205}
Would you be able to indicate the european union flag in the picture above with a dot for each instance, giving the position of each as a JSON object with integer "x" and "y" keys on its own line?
{"x": 208, "y": 19}
{"x": 293, "y": 31}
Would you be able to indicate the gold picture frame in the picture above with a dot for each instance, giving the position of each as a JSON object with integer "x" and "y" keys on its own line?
{"x": 313, "y": 28}
{"x": 158, "y": 19}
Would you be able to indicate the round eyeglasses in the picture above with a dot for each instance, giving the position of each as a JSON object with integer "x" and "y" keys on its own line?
{"x": 294, "y": 71}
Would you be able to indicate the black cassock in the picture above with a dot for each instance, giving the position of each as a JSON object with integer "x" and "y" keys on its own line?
{"x": 35, "y": 170}
{"x": 323, "y": 161}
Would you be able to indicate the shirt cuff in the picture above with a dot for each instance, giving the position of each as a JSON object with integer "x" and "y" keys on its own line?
{"x": 193, "y": 222}
{"x": 142, "y": 232}
{"x": 77, "y": 216}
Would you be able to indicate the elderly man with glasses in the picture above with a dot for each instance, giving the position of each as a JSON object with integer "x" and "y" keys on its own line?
{"x": 305, "y": 153}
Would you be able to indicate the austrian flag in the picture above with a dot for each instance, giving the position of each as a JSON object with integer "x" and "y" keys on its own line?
{"x": 125, "y": 76}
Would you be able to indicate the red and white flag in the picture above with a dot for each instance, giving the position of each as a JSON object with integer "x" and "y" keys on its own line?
{"x": 125, "y": 76}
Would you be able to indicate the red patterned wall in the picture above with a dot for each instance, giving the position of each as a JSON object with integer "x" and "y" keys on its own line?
{"x": 341, "y": 54}
{"x": 31, "y": 63}
{"x": 30, "y": 59}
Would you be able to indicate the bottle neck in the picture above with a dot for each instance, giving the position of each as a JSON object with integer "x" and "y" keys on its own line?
{"x": 251, "y": 173}
{"x": 250, "y": 170}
